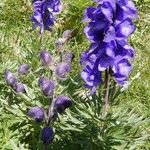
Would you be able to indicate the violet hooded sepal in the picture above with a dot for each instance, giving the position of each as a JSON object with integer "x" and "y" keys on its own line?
{"x": 45, "y": 58}
{"x": 47, "y": 86}
{"x": 61, "y": 103}
{"x": 19, "y": 87}
{"x": 121, "y": 70}
{"x": 37, "y": 114}
{"x": 44, "y": 13}
{"x": 69, "y": 57}
{"x": 23, "y": 69}
{"x": 62, "y": 70}
{"x": 47, "y": 135}
{"x": 92, "y": 78}
{"x": 10, "y": 78}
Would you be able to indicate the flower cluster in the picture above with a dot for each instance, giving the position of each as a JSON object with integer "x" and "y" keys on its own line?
{"x": 57, "y": 105}
{"x": 109, "y": 27}
{"x": 44, "y": 12}
{"x": 12, "y": 80}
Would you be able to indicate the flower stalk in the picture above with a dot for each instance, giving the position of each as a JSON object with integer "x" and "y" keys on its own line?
{"x": 106, "y": 95}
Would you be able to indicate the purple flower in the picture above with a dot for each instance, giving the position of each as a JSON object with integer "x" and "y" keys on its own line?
{"x": 45, "y": 58}
{"x": 69, "y": 57}
{"x": 10, "y": 78}
{"x": 47, "y": 86}
{"x": 44, "y": 12}
{"x": 23, "y": 69}
{"x": 108, "y": 29}
{"x": 47, "y": 135}
{"x": 61, "y": 103}
{"x": 63, "y": 69}
{"x": 37, "y": 113}
{"x": 19, "y": 88}
{"x": 121, "y": 70}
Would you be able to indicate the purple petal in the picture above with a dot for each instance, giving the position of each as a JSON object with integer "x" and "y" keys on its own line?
{"x": 10, "y": 78}
{"x": 107, "y": 10}
{"x": 63, "y": 69}
{"x": 122, "y": 70}
{"x": 124, "y": 29}
{"x": 45, "y": 58}
{"x": 19, "y": 88}
{"x": 37, "y": 113}
{"x": 88, "y": 14}
{"x": 61, "y": 103}
{"x": 47, "y": 86}
{"x": 47, "y": 135}
{"x": 69, "y": 57}
{"x": 23, "y": 69}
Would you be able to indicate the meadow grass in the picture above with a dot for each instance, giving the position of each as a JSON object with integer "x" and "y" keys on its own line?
{"x": 19, "y": 45}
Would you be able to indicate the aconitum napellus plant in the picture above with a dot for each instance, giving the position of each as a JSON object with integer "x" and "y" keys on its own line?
{"x": 44, "y": 12}
{"x": 108, "y": 29}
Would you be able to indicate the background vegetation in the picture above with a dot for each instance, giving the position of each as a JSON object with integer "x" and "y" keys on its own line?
{"x": 126, "y": 127}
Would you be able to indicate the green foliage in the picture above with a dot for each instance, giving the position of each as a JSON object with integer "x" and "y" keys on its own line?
{"x": 126, "y": 127}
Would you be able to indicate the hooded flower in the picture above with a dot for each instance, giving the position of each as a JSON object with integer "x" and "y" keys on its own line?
{"x": 108, "y": 29}
{"x": 47, "y": 135}
{"x": 63, "y": 69}
{"x": 61, "y": 103}
{"x": 69, "y": 57}
{"x": 23, "y": 69}
{"x": 44, "y": 12}
{"x": 19, "y": 88}
{"x": 47, "y": 86}
{"x": 10, "y": 78}
{"x": 45, "y": 58}
{"x": 37, "y": 113}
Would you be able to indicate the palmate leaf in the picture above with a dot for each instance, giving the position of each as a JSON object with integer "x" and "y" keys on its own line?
{"x": 123, "y": 128}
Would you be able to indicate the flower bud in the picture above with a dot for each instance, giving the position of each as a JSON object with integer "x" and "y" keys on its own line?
{"x": 67, "y": 34}
{"x": 37, "y": 113}
{"x": 59, "y": 43}
{"x": 62, "y": 70}
{"x": 61, "y": 103}
{"x": 45, "y": 58}
{"x": 23, "y": 69}
{"x": 10, "y": 78}
{"x": 47, "y": 135}
{"x": 19, "y": 88}
{"x": 69, "y": 57}
{"x": 47, "y": 86}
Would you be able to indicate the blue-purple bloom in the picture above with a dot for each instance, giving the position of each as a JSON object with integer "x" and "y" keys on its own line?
{"x": 23, "y": 69}
{"x": 45, "y": 58}
{"x": 61, "y": 103}
{"x": 63, "y": 69}
{"x": 47, "y": 86}
{"x": 19, "y": 87}
{"x": 12, "y": 81}
{"x": 69, "y": 57}
{"x": 44, "y": 12}
{"x": 37, "y": 114}
{"x": 47, "y": 135}
{"x": 108, "y": 29}
{"x": 10, "y": 78}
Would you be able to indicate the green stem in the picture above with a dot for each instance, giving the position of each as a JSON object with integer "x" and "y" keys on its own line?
{"x": 106, "y": 95}
{"x": 46, "y": 147}
{"x": 40, "y": 42}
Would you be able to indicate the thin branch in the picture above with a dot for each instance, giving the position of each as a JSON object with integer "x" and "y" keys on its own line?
{"x": 41, "y": 42}
{"x": 106, "y": 95}
{"x": 46, "y": 147}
